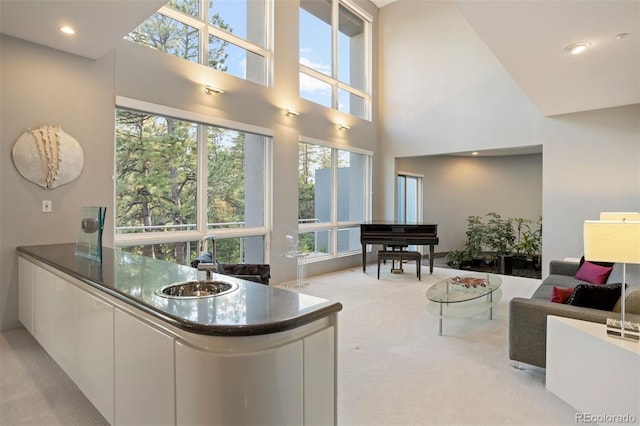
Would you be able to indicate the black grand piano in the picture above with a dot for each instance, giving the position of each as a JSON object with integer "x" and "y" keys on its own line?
{"x": 398, "y": 234}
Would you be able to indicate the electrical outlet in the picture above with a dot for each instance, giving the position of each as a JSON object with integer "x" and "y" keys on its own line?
{"x": 46, "y": 206}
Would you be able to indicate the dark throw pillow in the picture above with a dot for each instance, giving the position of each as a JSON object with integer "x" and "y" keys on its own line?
{"x": 561, "y": 294}
{"x": 602, "y": 297}
{"x": 582, "y": 260}
{"x": 593, "y": 273}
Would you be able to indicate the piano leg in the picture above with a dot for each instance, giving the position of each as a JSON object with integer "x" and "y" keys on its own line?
{"x": 364, "y": 258}
{"x": 431, "y": 259}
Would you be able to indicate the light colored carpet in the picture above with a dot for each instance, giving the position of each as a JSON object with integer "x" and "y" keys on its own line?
{"x": 393, "y": 368}
{"x": 35, "y": 391}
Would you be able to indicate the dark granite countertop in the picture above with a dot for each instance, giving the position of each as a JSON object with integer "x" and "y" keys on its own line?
{"x": 252, "y": 309}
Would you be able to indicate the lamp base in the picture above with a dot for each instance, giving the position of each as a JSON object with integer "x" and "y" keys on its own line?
{"x": 631, "y": 329}
{"x": 627, "y": 335}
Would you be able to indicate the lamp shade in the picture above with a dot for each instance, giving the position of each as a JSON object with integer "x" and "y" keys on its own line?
{"x": 612, "y": 241}
{"x": 630, "y": 216}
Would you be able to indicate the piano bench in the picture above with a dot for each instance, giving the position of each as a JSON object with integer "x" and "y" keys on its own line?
{"x": 400, "y": 255}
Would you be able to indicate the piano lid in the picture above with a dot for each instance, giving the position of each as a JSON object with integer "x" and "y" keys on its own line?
{"x": 394, "y": 222}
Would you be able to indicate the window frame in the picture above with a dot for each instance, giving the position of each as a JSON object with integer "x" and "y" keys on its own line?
{"x": 201, "y": 230}
{"x": 205, "y": 29}
{"x": 334, "y": 226}
{"x": 333, "y": 79}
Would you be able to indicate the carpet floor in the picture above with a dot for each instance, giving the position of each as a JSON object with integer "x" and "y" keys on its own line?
{"x": 393, "y": 368}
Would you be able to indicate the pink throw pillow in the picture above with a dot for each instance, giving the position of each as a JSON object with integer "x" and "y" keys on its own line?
{"x": 592, "y": 273}
{"x": 561, "y": 294}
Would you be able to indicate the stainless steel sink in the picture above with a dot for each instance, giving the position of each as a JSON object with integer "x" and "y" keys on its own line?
{"x": 196, "y": 289}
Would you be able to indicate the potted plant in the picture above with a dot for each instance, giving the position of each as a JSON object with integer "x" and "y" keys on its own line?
{"x": 457, "y": 259}
{"x": 500, "y": 238}
{"x": 475, "y": 235}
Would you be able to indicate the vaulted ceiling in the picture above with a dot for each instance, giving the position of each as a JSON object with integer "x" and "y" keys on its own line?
{"x": 99, "y": 24}
{"x": 530, "y": 38}
{"x": 527, "y": 37}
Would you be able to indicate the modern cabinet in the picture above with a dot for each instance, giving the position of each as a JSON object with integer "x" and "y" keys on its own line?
{"x": 95, "y": 346}
{"x": 144, "y": 375}
{"x": 594, "y": 373}
{"x": 25, "y": 293}
{"x": 138, "y": 369}
{"x": 74, "y": 326}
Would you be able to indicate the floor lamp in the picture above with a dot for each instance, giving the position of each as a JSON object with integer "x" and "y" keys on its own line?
{"x": 614, "y": 238}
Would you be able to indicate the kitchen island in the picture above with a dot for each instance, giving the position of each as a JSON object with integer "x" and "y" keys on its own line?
{"x": 256, "y": 355}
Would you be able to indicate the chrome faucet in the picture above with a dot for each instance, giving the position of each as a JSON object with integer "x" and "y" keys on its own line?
{"x": 208, "y": 267}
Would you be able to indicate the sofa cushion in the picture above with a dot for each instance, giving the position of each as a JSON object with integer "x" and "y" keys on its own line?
{"x": 544, "y": 290}
{"x": 592, "y": 273}
{"x": 631, "y": 303}
{"x": 582, "y": 260}
{"x": 632, "y": 275}
{"x": 595, "y": 296}
{"x": 561, "y": 294}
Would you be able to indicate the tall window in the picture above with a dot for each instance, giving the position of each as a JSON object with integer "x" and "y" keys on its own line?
{"x": 409, "y": 198}
{"x": 409, "y": 205}
{"x": 178, "y": 180}
{"x": 334, "y": 199}
{"x": 335, "y": 58}
{"x": 226, "y": 35}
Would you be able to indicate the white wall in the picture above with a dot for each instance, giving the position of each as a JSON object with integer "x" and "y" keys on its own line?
{"x": 443, "y": 91}
{"x": 458, "y": 187}
{"x": 45, "y": 86}
{"x": 591, "y": 164}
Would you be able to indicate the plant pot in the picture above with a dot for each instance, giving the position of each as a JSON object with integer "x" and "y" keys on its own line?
{"x": 518, "y": 262}
{"x": 505, "y": 264}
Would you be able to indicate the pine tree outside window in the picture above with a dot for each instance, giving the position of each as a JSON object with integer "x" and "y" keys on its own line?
{"x": 231, "y": 36}
{"x": 178, "y": 180}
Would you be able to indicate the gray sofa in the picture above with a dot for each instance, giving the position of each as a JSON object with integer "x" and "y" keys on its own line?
{"x": 528, "y": 316}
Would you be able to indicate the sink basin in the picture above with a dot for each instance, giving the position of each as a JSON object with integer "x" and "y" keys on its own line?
{"x": 196, "y": 289}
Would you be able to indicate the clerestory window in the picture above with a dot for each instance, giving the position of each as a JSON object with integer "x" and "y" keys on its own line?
{"x": 335, "y": 56}
{"x": 232, "y": 36}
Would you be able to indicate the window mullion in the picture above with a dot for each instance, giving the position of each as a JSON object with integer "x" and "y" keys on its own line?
{"x": 335, "y": 20}
{"x": 203, "y": 30}
{"x": 202, "y": 176}
{"x": 334, "y": 201}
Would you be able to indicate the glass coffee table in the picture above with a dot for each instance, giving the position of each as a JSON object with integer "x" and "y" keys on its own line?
{"x": 464, "y": 295}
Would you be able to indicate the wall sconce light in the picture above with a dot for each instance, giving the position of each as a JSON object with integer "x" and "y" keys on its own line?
{"x": 67, "y": 29}
{"x": 343, "y": 126}
{"x": 210, "y": 90}
{"x": 291, "y": 113}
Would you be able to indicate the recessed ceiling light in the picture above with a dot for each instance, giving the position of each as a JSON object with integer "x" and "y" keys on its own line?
{"x": 67, "y": 29}
{"x": 621, "y": 36}
{"x": 577, "y": 48}
{"x": 475, "y": 153}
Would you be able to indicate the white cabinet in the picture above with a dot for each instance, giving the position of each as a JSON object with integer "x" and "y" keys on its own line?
{"x": 320, "y": 378}
{"x": 74, "y": 327}
{"x": 594, "y": 373}
{"x": 95, "y": 352}
{"x": 63, "y": 344}
{"x": 139, "y": 370}
{"x": 25, "y": 293}
{"x": 144, "y": 376}
{"x": 290, "y": 384}
{"x": 43, "y": 283}
{"x": 251, "y": 388}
